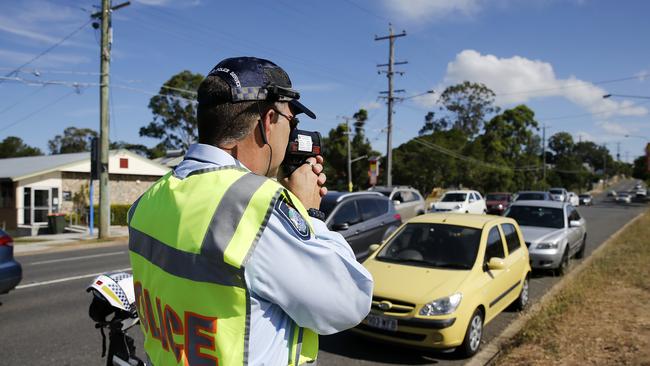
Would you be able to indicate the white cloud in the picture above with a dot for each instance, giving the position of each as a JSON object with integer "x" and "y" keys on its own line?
{"x": 39, "y": 21}
{"x": 613, "y": 128}
{"x": 371, "y": 105}
{"x": 422, "y": 10}
{"x": 49, "y": 60}
{"x": 517, "y": 80}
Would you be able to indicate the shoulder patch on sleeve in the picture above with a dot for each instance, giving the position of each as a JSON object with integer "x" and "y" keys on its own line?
{"x": 292, "y": 218}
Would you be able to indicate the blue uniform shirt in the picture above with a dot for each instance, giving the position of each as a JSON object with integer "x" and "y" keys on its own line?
{"x": 313, "y": 280}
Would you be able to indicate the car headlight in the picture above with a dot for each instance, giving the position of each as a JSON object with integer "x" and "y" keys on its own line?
{"x": 547, "y": 245}
{"x": 442, "y": 306}
{"x": 500, "y": 206}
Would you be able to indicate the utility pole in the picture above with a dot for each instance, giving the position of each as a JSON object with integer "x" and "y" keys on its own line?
{"x": 389, "y": 73}
{"x": 605, "y": 163}
{"x": 544, "y": 153}
{"x": 618, "y": 151}
{"x": 348, "y": 133}
{"x": 105, "y": 57}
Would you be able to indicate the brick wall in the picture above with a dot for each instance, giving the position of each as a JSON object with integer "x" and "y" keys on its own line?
{"x": 124, "y": 189}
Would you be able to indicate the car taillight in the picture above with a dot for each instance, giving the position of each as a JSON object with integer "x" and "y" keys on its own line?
{"x": 6, "y": 240}
{"x": 398, "y": 217}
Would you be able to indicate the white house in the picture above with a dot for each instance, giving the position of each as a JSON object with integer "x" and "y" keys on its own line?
{"x": 33, "y": 187}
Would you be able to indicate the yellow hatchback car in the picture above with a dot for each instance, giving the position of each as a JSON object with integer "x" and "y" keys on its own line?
{"x": 441, "y": 277}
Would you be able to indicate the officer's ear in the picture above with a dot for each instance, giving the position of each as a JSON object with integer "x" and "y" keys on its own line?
{"x": 264, "y": 124}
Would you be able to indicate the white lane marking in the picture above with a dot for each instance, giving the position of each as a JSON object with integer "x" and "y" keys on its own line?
{"x": 66, "y": 279}
{"x": 77, "y": 258}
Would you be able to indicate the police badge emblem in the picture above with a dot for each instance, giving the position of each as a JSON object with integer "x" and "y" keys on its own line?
{"x": 293, "y": 219}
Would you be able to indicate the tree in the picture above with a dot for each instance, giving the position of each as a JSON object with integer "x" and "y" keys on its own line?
{"x": 336, "y": 155}
{"x": 464, "y": 107}
{"x": 562, "y": 144}
{"x": 13, "y": 147}
{"x": 73, "y": 140}
{"x": 136, "y": 148}
{"x": 640, "y": 168}
{"x": 174, "y": 112}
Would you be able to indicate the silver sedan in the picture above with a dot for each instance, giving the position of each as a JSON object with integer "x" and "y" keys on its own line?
{"x": 554, "y": 232}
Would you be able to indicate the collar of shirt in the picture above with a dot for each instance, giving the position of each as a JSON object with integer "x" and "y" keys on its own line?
{"x": 202, "y": 156}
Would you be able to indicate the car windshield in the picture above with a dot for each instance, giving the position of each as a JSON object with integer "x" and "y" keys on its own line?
{"x": 556, "y": 191}
{"x": 537, "y": 216}
{"x": 496, "y": 197}
{"x": 454, "y": 197}
{"x": 585, "y": 196}
{"x": 433, "y": 245}
{"x": 531, "y": 197}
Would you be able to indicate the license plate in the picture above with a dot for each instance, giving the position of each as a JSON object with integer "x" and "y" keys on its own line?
{"x": 382, "y": 323}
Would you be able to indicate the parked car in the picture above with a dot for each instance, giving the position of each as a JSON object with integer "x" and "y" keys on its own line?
{"x": 533, "y": 196}
{"x": 554, "y": 232}
{"x": 497, "y": 202}
{"x": 623, "y": 197}
{"x": 442, "y": 277}
{"x": 559, "y": 194}
{"x": 363, "y": 218}
{"x": 407, "y": 200}
{"x": 464, "y": 201}
{"x": 573, "y": 199}
{"x": 11, "y": 272}
{"x": 612, "y": 194}
{"x": 641, "y": 193}
{"x": 586, "y": 199}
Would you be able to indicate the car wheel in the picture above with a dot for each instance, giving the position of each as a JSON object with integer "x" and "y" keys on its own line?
{"x": 473, "y": 335}
{"x": 467, "y": 211}
{"x": 522, "y": 301}
{"x": 564, "y": 264}
{"x": 581, "y": 252}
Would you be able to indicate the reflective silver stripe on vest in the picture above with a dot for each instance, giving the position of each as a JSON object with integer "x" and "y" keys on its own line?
{"x": 195, "y": 267}
{"x": 229, "y": 213}
{"x": 298, "y": 346}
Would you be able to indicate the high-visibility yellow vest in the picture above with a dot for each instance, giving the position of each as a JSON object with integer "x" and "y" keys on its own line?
{"x": 189, "y": 241}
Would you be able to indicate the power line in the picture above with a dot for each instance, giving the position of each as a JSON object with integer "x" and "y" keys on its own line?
{"x": 37, "y": 111}
{"x": 23, "y": 99}
{"x": 47, "y": 50}
{"x": 569, "y": 86}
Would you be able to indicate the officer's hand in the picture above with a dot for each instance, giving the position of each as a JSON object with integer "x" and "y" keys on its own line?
{"x": 307, "y": 182}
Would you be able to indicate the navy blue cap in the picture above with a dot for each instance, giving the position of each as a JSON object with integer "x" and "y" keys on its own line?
{"x": 256, "y": 79}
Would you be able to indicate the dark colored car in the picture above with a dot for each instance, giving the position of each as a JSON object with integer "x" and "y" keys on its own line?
{"x": 10, "y": 271}
{"x": 533, "y": 196}
{"x": 497, "y": 202}
{"x": 363, "y": 218}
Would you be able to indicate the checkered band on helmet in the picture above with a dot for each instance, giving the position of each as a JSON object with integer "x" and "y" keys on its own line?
{"x": 248, "y": 93}
{"x": 119, "y": 292}
{"x": 119, "y": 276}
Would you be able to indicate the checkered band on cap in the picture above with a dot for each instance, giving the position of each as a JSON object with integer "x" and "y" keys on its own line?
{"x": 119, "y": 276}
{"x": 248, "y": 93}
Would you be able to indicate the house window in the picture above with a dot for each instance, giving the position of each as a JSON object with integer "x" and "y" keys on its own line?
{"x": 124, "y": 163}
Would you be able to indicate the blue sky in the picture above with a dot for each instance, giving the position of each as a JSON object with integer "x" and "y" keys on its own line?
{"x": 557, "y": 56}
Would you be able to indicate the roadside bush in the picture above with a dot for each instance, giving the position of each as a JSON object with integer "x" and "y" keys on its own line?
{"x": 118, "y": 215}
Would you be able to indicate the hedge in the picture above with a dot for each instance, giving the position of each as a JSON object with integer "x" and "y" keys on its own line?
{"x": 118, "y": 215}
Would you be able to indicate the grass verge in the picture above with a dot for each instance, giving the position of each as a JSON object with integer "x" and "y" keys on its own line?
{"x": 601, "y": 317}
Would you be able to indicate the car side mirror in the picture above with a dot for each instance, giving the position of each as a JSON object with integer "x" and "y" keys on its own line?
{"x": 575, "y": 223}
{"x": 471, "y": 200}
{"x": 396, "y": 203}
{"x": 373, "y": 248}
{"x": 341, "y": 226}
{"x": 496, "y": 263}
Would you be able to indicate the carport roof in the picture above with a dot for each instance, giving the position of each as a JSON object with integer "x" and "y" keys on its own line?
{"x": 13, "y": 168}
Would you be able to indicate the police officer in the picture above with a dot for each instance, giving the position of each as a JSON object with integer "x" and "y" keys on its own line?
{"x": 231, "y": 266}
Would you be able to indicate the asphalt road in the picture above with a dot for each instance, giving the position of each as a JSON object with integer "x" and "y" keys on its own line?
{"x": 45, "y": 322}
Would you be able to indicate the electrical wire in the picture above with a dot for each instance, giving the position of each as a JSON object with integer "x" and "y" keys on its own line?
{"x": 23, "y": 99}
{"x": 47, "y": 50}
{"x": 37, "y": 111}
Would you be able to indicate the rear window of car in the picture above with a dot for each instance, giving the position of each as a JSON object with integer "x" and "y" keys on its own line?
{"x": 531, "y": 197}
{"x": 537, "y": 216}
{"x": 556, "y": 191}
{"x": 372, "y": 208}
{"x": 512, "y": 239}
{"x": 496, "y": 197}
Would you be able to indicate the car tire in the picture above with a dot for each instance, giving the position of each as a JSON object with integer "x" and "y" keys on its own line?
{"x": 524, "y": 296}
{"x": 581, "y": 252}
{"x": 473, "y": 335}
{"x": 563, "y": 268}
